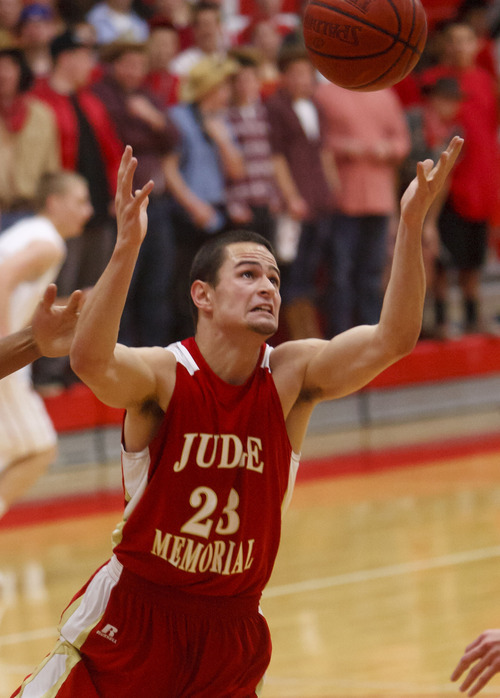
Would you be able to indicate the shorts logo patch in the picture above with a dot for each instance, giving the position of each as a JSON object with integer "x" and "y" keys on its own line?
{"x": 108, "y": 632}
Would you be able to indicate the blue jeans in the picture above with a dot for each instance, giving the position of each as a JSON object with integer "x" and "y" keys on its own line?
{"x": 357, "y": 261}
{"x": 301, "y": 278}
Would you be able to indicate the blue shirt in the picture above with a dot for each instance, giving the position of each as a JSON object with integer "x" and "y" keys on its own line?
{"x": 199, "y": 162}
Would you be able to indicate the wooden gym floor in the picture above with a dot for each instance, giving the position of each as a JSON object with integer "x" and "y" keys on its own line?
{"x": 382, "y": 577}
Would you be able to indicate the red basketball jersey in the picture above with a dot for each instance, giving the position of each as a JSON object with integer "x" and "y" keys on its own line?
{"x": 207, "y": 495}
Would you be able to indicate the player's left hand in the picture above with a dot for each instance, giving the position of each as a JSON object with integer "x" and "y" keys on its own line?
{"x": 430, "y": 179}
{"x": 53, "y": 326}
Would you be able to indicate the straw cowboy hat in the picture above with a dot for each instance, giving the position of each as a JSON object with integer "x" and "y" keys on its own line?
{"x": 109, "y": 53}
{"x": 208, "y": 73}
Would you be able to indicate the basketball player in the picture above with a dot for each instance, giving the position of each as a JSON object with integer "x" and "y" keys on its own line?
{"x": 211, "y": 442}
{"x": 31, "y": 254}
{"x": 49, "y": 334}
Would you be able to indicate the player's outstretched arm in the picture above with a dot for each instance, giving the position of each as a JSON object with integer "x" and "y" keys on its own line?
{"x": 50, "y": 333}
{"x": 17, "y": 350}
{"x": 115, "y": 373}
{"x": 482, "y": 660}
{"x": 352, "y": 359}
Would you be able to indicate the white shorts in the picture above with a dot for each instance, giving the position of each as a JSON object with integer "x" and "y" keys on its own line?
{"x": 25, "y": 426}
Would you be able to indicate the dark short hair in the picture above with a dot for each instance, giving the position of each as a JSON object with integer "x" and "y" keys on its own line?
{"x": 290, "y": 54}
{"x": 211, "y": 255}
{"x": 204, "y": 5}
{"x": 26, "y": 74}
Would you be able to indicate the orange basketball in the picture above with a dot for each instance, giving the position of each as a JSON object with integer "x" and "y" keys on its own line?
{"x": 365, "y": 44}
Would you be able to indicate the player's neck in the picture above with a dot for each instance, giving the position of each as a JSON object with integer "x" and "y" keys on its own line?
{"x": 232, "y": 360}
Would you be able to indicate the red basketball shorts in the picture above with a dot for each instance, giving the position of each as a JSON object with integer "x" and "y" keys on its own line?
{"x": 124, "y": 636}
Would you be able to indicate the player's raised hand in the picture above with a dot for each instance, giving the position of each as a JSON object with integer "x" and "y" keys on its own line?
{"x": 131, "y": 206}
{"x": 428, "y": 183}
{"x": 53, "y": 325}
{"x": 482, "y": 659}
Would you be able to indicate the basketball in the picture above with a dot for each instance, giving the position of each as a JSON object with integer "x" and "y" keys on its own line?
{"x": 364, "y": 45}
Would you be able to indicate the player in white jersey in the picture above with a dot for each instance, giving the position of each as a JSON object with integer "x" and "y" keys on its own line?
{"x": 31, "y": 254}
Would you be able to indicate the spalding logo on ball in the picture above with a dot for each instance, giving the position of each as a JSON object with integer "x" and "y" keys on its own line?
{"x": 365, "y": 44}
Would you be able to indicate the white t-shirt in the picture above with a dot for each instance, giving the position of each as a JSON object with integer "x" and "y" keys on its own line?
{"x": 26, "y": 296}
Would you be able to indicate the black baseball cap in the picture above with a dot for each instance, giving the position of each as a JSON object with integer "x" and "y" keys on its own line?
{"x": 69, "y": 40}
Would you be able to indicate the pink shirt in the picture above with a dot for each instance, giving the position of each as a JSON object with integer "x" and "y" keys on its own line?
{"x": 357, "y": 125}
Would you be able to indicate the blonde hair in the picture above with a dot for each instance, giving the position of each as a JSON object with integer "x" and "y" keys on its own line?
{"x": 55, "y": 183}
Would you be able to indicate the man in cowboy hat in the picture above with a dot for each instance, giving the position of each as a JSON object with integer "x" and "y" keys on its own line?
{"x": 197, "y": 169}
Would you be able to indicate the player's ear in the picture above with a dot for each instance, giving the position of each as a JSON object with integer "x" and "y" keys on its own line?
{"x": 201, "y": 296}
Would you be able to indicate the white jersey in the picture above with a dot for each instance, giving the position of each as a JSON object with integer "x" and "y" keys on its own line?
{"x": 25, "y": 426}
{"x": 27, "y": 294}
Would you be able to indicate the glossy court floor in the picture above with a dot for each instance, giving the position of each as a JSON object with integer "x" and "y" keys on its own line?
{"x": 382, "y": 577}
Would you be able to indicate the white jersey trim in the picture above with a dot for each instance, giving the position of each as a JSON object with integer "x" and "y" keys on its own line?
{"x": 267, "y": 358}
{"x": 292, "y": 475}
{"x": 183, "y": 357}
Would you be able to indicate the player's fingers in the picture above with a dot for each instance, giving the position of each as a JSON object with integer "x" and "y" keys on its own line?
{"x": 423, "y": 170}
{"x": 438, "y": 173}
{"x": 126, "y": 171}
{"x": 452, "y": 152}
{"x": 142, "y": 194}
{"x": 448, "y": 158}
{"x": 480, "y": 683}
{"x": 75, "y": 301}
{"x": 125, "y": 159}
{"x": 485, "y": 675}
{"x": 49, "y": 296}
{"x": 473, "y": 652}
{"x": 455, "y": 145}
{"x": 475, "y": 643}
{"x": 462, "y": 666}
{"x": 487, "y": 666}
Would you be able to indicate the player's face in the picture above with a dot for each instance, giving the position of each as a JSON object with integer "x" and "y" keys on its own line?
{"x": 74, "y": 209}
{"x": 247, "y": 292}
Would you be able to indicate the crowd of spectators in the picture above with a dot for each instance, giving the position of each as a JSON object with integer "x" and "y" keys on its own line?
{"x": 227, "y": 115}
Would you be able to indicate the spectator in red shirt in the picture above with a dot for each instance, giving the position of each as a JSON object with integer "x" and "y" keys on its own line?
{"x": 90, "y": 146}
{"x": 162, "y": 46}
{"x": 178, "y": 13}
{"x": 472, "y": 197}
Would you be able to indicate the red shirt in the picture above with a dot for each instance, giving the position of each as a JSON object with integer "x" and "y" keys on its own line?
{"x": 96, "y": 114}
{"x": 206, "y": 515}
{"x": 474, "y": 180}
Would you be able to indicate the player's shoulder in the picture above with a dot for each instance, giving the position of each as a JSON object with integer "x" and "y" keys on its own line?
{"x": 296, "y": 349}
{"x": 293, "y": 356}
{"x": 157, "y": 355}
